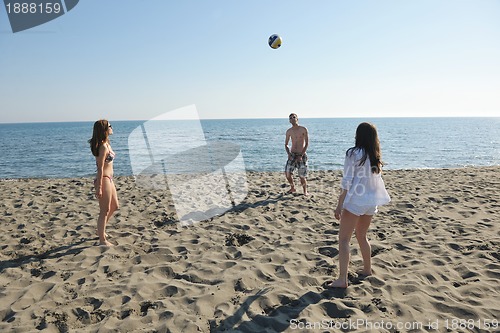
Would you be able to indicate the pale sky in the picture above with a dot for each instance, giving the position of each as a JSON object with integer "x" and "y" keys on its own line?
{"x": 131, "y": 60}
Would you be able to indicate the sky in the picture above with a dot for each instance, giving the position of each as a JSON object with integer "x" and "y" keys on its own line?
{"x": 136, "y": 60}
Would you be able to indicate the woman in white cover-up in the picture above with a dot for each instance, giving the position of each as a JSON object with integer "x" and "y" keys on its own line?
{"x": 362, "y": 191}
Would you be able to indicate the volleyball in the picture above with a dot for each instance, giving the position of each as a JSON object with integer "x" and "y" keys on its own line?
{"x": 274, "y": 41}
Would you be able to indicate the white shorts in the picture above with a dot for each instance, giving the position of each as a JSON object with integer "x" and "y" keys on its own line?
{"x": 359, "y": 210}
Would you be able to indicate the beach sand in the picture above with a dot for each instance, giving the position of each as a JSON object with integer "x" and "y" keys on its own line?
{"x": 257, "y": 268}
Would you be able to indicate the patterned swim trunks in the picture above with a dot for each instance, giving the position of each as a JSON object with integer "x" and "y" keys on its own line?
{"x": 294, "y": 163}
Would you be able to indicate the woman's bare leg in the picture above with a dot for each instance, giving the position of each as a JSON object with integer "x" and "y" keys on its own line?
{"x": 348, "y": 222}
{"x": 113, "y": 206}
{"x": 364, "y": 244}
{"x": 104, "y": 209}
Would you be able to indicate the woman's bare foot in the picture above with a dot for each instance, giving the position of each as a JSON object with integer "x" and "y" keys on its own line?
{"x": 105, "y": 243}
{"x": 363, "y": 273}
{"x": 337, "y": 284}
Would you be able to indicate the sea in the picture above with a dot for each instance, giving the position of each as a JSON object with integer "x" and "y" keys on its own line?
{"x": 61, "y": 150}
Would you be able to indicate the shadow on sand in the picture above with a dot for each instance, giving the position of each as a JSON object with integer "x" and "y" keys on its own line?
{"x": 279, "y": 318}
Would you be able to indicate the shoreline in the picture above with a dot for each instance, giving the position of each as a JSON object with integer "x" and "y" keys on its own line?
{"x": 257, "y": 268}
{"x": 385, "y": 171}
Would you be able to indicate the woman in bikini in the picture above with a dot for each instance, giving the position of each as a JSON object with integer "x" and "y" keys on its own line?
{"x": 105, "y": 189}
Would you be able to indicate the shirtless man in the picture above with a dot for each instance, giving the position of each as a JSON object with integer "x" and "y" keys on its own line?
{"x": 297, "y": 157}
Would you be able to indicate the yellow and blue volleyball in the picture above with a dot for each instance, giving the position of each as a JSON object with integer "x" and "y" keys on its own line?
{"x": 275, "y": 41}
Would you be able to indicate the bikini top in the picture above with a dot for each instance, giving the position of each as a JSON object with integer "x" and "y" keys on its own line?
{"x": 110, "y": 157}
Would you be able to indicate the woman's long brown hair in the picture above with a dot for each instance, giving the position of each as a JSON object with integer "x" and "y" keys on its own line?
{"x": 367, "y": 139}
{"x": 99, "y": 136}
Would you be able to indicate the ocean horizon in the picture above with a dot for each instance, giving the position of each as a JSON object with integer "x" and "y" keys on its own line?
{"x": 60, "y": 149}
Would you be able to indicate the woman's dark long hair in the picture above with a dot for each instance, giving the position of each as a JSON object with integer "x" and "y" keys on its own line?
{"x": 99, "y": 136}
{"x": 367, "y": 139}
